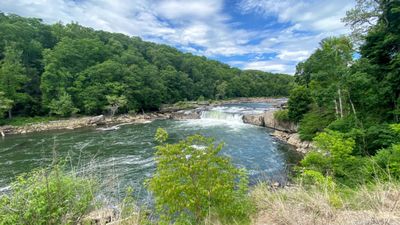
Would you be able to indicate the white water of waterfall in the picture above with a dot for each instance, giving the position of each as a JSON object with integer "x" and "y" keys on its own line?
{"x": 221, "y": 115}
{"x": 229, "y": 116}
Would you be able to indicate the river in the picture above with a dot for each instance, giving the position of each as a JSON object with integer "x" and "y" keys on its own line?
{"x": 126, "y": 156}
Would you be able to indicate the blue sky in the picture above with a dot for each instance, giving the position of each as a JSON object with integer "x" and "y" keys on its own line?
{"x": 268, "y": 35}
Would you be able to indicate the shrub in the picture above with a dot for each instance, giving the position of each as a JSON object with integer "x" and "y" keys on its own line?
{"x": 389, "y": 159}
{"x": 201, "y": 98}
{"x": 47, "y": 196}
{"x": 313, "y": 122}
{"x": 299, "y": 103}
{"x": 389, "y": 162}
{"x": 282, "y": 115}
{"x": 63, "y": 106}
{"x": 193, "y": 181}
{"x": 334, "y": 158}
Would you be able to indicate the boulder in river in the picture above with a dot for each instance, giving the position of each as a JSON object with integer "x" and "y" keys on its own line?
{"x": 97, "y": 120}
{"x": 257, "y": 119}
{"x": 185, "y": 115}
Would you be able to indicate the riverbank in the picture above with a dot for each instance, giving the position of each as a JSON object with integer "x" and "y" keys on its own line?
{"x": 178, "y": 111}
{"x": 284, "y": 131}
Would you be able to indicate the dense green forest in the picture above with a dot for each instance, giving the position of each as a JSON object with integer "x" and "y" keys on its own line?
{"x": 349, "y": 103}
{"x": 67, "y": 69}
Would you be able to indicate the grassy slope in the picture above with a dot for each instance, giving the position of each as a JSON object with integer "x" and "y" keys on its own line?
{"x": 374, "y": 204}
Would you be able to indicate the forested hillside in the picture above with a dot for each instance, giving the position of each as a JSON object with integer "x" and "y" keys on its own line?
{"x": 349, "y": 103}
{"x": 66, "y": 69}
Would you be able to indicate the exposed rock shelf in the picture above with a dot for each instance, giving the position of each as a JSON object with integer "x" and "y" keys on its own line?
{"x": 101, "y": 120}
{"x": 285, "y": 131}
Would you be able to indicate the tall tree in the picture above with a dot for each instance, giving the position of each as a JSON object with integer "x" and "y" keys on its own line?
{"x": 362, "y": 17}
{"x": 12, "y": 76}
{"x": 381, "y": 49}
{"x": 5, "y": 104}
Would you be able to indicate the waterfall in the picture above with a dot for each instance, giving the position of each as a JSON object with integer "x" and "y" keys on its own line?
{"x": 221, "y": 115}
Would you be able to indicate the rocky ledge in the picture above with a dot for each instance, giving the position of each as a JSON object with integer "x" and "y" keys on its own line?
{"x": 101, "y": 121}
{"x": 285, "y": 131}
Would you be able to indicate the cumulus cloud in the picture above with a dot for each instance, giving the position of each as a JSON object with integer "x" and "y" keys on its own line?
{"x": 205, "y": 27}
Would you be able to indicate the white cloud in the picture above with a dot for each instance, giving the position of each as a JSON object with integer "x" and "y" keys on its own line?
{"x": 271, "y": 66}
{"x": 293, "y": 55}
{"x": 311, "y": 21}
{"x": 203, "y": 23}
{"x": 306, "y": 13}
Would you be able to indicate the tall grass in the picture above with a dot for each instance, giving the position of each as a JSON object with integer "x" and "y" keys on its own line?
{"x": 376, "y": 203}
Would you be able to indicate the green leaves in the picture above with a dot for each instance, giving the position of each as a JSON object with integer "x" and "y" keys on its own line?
{"x": 47, "y": 196}
{"x": 299, "y": 103}
{"x": 63, "y": 106}
{"x": 192, "y": 179}
{"x": 5, "y": 104}
{"x": 12, "y": 76}
{"x": 161, "y": 135}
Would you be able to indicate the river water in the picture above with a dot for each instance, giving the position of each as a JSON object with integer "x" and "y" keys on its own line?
{"x": 126, "y": 156}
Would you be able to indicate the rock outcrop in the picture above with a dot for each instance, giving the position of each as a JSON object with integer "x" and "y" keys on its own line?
{"x": 186, "y": 114}
{"x": 257, "y": 119}
{"x": 285, "y": 131}
{"x": 293, "y": 139}
{"x": 74, "y": 123}
{"x": 271, "y": 122}
{"x": 96, "y": 120}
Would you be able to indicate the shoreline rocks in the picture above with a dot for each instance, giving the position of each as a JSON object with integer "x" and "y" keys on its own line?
{"x": 284, "y": 131}
{"x": 81, "y": 122}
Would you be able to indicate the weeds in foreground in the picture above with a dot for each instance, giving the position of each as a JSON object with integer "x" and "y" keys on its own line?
{"x": 376, "y": 203}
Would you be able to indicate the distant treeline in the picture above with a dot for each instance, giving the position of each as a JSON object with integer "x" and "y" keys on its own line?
{"x": 65, "y": 69}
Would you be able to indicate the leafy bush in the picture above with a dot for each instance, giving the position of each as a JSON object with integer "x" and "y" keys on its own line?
{"x": 63, "y": 106}
{"x": 313, "y": 122}
{"x": 334, "y": 158}
{"x": 389, "y": 159}
{"x": 5, "y": 104}
{"x": 47, "y": 196}
{"x": 193, "y": 181}
{"x": 315, "y": 177}
{"x": 299, "y": 103}
{"x": 282, "y": 115}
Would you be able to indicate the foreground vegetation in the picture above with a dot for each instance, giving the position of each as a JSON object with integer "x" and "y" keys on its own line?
{"x": 194, "y": 184}
{"x": 322, "y": 203}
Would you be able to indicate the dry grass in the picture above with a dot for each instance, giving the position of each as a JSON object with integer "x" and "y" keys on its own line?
{"x": 377, "y": 204}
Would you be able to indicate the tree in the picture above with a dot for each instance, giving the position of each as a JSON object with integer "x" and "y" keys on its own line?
{"x": 90, "y": 64}
{"x": 381, "y": 50}
{"x": 116, "y": 102}
{"x": 5, "y": 104}
{"x": 192, "y": 179}
{"x": 362, "y": 17}
{"x": 12, "y": 76}
{"x": 299, "y": 103}
{"x": 221, "y": 90}
{"x": 63, "y": 106}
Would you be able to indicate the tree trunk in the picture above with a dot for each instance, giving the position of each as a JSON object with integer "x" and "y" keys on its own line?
{"x": 9, "y": 114}
{"x": 336, "y": 109}
{"x": 352, "y": 107}
{"x": 340, "y": 103}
